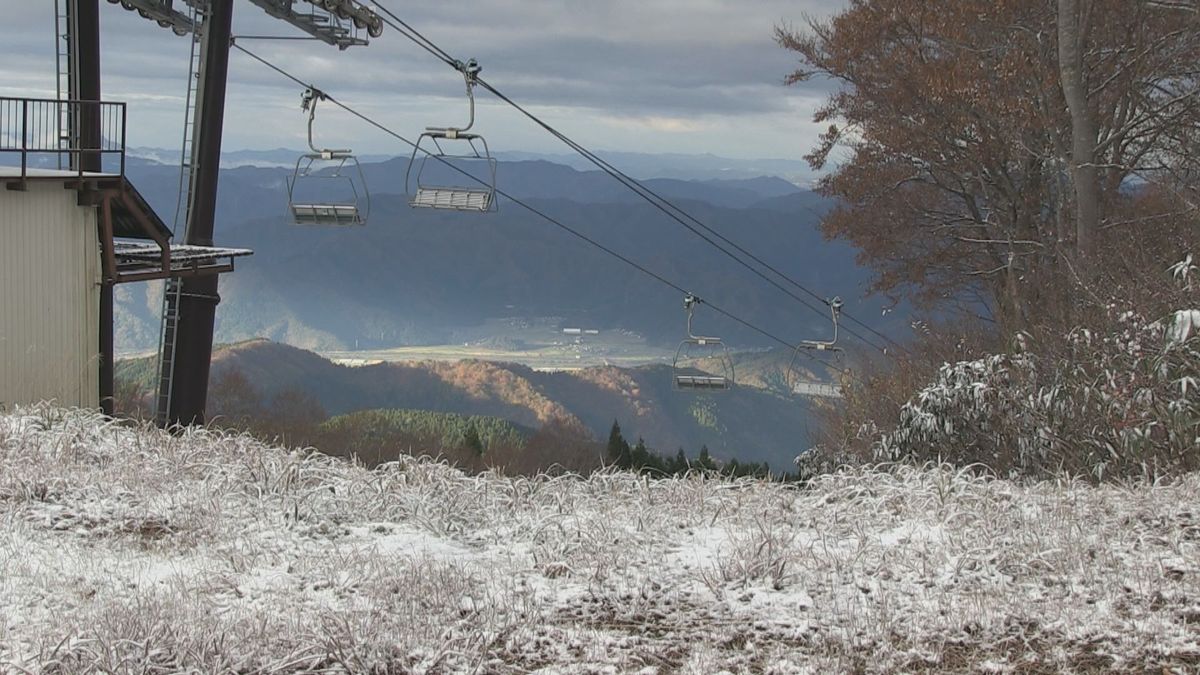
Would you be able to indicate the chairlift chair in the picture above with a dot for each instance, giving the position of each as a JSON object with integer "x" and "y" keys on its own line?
{"x": 694, "y": 347}
{"x": 464, "y": 191}
{"x": 329, "y": 169}
{"x": 805, "y": 347}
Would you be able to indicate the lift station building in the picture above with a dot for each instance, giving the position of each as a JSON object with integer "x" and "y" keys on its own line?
{"x": 65, "y": 235}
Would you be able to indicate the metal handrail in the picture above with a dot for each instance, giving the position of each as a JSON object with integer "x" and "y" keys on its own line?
{"x": 31, "y": 126}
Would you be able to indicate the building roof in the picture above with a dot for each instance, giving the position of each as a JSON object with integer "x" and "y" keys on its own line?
{"x": 125, "y": 215}
{"x": 33, "y": 173}
{"x": 141, "y": 262}
{"x": 125, "y": 220}
{"x": 183, "y": 254}
{"x": 128, "y": 214}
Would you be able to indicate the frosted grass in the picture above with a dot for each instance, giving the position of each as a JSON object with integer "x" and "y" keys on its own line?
{"x": 130, "y": 550}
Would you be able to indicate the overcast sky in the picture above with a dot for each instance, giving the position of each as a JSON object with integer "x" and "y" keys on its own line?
{"x": 687, "y": 76}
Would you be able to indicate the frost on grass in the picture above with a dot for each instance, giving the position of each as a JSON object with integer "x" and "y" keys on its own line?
{"x": 129, "y": 550}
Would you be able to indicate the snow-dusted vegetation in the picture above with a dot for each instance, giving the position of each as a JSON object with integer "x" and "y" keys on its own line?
{"x": 131, "y": 550}
{"x": 1122, "y": 401}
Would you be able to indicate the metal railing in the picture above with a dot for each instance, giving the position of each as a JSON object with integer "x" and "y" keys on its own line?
{"x": 31, "y": 128}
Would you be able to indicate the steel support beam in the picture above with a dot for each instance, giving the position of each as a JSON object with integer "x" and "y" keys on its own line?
{"x": 83, "y": 27}
{"x": 332, "y": 24}
{"x": 199, "y": 298}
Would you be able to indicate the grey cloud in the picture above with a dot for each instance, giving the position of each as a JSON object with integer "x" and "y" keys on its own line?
{"x": 615, "y": 58}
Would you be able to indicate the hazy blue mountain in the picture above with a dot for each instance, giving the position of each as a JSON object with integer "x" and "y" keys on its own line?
{"x": 411, "y": 275}
{"x": 697, "y": 167}
{"x": 691, "y": 167}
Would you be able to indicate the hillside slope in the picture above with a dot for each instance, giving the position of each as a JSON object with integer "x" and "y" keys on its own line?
{"x": 132, "y": 550}
{"x": 748, "y": 424}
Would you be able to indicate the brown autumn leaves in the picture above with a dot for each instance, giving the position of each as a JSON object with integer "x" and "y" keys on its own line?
{"x": 1009, "y": 154}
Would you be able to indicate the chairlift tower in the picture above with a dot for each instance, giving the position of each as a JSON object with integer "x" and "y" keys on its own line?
{"x": 77, "y": 55}
{"x": 190, "y": 308}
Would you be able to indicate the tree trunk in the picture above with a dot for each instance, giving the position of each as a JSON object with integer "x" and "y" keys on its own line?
{"x": 1084, "y": 173}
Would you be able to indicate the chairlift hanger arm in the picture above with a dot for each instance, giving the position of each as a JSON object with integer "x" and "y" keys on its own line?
{"x": 835, "y": 310}
{"x": 470, "y": 72}
{"x": 308, "y": 101}
{"x": 689, "y": 303}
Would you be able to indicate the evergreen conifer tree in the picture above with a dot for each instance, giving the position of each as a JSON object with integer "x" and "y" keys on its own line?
{"x": 734, "y": 469}
{"x": 472, "y": 440}
{"x": 618, "y": 451}
{"x": 641, "y": 456}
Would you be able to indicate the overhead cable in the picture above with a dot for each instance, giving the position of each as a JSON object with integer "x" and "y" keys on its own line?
{"x": 663, "y": 204}
{"x": 532, "y": 209}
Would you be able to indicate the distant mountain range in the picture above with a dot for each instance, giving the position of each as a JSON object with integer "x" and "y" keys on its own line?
{"x": 410, "y": 276}
{"x": 698, "y": 167}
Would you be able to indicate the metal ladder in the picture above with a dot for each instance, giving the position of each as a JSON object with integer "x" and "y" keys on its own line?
{"x": 168, "y": 333}
{"x": 166, "y": 350}
{"x": 63, "y": 50}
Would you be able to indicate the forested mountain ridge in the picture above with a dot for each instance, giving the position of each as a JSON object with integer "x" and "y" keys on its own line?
{"x": 748, "y": 424}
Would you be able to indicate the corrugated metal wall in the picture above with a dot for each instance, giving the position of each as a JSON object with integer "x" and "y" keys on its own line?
{"x": 49, "y": 298}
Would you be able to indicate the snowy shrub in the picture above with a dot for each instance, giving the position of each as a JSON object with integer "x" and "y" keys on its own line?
{"x": 879, "y": 387}
{"x": 1121, "y": 402}
{"x": 962, "y": 416}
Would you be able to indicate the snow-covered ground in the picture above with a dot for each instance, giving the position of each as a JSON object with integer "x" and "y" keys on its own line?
{"x": 129, "y": 550}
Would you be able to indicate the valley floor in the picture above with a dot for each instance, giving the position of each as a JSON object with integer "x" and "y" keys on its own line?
{"x": 130, "y": 550}
{"x": 537, "y": 342}
{"x": 552, "y": 358}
